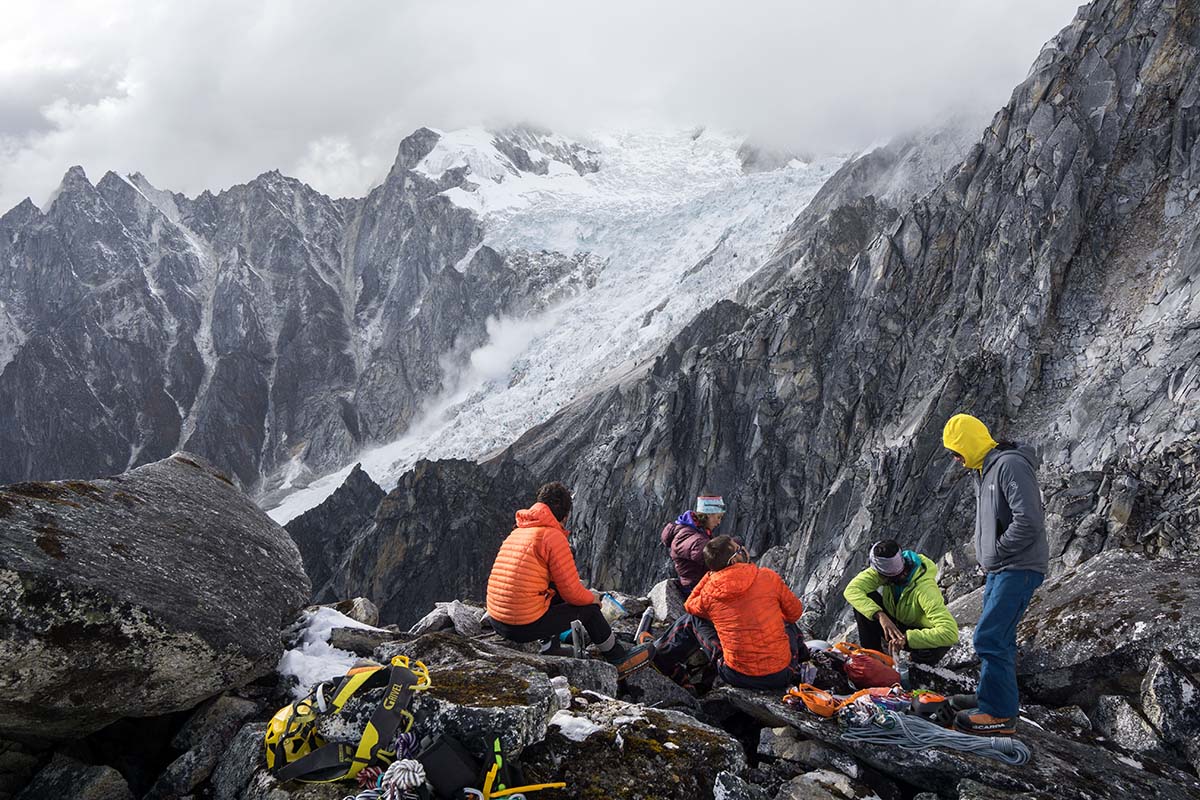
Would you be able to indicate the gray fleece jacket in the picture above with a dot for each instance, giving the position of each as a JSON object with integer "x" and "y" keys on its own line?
{"x": 1010, "y": 519}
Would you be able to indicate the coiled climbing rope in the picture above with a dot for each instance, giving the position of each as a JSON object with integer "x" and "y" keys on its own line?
{"x": 915, "y": 733}
{"x": 395, "y": 782}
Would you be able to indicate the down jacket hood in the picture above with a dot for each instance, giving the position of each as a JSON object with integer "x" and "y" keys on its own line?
{"x": 538, "y": 515}
{"x": 684, "y": 520}
{"x": 731, "y": 582}
{"x": 968, "y": 437}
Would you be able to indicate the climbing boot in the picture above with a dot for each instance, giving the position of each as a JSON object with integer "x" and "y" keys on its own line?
{"x": 964, "y": 702}
{"x": 629, "y": 661}
{"x": 975, "y": 721}
{"x": 553, "y": 647}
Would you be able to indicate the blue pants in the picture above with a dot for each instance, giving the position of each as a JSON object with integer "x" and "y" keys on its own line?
{"x": 1005, "y": 597}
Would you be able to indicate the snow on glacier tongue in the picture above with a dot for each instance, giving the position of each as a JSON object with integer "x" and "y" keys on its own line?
{"x": 661, "y": 203}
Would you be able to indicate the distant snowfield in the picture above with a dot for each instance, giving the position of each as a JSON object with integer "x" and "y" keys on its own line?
{"x": 660, "y": 203}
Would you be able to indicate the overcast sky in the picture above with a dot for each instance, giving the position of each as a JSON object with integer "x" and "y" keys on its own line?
{"x": 207, "y": 94}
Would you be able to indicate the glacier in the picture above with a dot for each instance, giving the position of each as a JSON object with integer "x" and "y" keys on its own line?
{"x": 676, "y": 223}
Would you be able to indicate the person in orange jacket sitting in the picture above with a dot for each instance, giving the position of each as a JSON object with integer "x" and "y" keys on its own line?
{"x": 534, "y": 591}
{"x": 743, "y": 617}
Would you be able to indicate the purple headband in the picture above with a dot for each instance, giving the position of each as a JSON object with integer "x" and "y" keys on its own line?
{"x": 891, "y": 566}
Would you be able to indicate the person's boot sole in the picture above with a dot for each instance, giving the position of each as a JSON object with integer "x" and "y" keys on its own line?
{"x": 644, "y": 659}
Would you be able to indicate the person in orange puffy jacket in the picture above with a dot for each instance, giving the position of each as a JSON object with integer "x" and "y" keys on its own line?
{"x": 534, "y": 591}
{"x": 743, "y": 617}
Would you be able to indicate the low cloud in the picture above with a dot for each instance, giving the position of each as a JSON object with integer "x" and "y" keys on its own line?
{"x": 204, "y": 95}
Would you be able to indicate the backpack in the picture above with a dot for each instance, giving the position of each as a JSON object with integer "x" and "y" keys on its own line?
{"x": 868, "y": 669}
{"x": 296, "y": 750}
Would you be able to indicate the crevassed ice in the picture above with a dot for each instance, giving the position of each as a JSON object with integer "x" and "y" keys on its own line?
{"x": 661, "y": 202}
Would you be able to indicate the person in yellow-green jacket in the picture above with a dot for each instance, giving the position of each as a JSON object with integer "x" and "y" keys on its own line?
{"x": 898, "y": 605}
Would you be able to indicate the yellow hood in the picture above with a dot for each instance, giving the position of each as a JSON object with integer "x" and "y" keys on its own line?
{"x": 968, "y": 437}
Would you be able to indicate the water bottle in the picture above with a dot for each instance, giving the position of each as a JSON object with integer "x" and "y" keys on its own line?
{"x": 902, "y": 668}
{"x": 644, "y": 625}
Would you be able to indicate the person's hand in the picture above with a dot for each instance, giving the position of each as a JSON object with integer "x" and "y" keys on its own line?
{"x": 892, "y": 636}
{"x": 597, "y": 597}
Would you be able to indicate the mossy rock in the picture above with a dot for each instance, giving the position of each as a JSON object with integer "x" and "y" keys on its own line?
{"x": 604, "y": 748}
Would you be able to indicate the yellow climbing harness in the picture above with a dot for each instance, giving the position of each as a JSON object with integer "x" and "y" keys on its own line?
{"x": 296, "y": 751}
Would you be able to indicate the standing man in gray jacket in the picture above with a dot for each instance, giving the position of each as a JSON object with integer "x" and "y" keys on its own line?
{"x": 1010, "y": 543}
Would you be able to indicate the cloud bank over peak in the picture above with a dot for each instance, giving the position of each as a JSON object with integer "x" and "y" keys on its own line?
{"x": 200, "y": 96}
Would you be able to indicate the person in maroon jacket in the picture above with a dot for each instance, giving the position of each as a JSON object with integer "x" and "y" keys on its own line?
{"x": 686, "y": 536}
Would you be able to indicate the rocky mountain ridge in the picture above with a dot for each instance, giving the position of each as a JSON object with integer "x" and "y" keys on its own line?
{"x": 1048, "y": 285}
{"x": 263, "y": 326}
{"x": 1107, "y": 687}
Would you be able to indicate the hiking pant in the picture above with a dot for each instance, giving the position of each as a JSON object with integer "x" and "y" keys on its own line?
{"x": 776, "y": 680}
{"x": 870, "y": 636}
{"x": 1006, "y": 595}
{"x": 685, "y": 636}
{"x": 556, "y": 620}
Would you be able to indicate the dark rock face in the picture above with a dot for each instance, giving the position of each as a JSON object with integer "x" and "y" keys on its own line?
{"x": 136, "y": 595}
{"x": 67, "y": 778}
{"x": 264, "y": 326}
{"x": 1047, "y": 285}
{"x": 434, "y": 537}
{"x": 324, "y": 534}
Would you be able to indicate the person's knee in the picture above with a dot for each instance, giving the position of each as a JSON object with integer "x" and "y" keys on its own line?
{"x": 994, "y": 650}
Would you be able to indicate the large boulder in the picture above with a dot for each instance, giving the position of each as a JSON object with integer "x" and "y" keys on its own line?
{"x": 67, "y": 779}
{"x": 136, "y": 595}
{"x": 475, "y": 696}
{"x": 607, "y": 748}
{"x": 1060, "y": 767}
{"x": 1094, "y": 630}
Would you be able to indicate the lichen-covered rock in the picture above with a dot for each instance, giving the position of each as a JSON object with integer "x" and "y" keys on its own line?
{"x": 477, "y": 695}
{"x": 456, "y": 615}
{"x": 1076, "y": 642}
{"x": 263, "y": 786}
{"x": 823, "y": 784}
{"x": 136, "y": 595}
{"x": 729, "y": 786}
{"x": 1117, "y": 719}
{"x": 241, "y": 759}
{"x": 785, "y": 743}
{"x": 364, "y": 641}
{"x": 606, "y": 748}
{"x": 1171, "y": 703}
{"x": 359, "y": 609}
{"x": 444, "y": 647}
{"x": 650, "y": 687}
{"x": 67, "y": 779}
{"x": 1062, "y": 767}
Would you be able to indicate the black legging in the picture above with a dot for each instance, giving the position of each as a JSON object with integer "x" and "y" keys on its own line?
{"x": 870, "y": 636}
{"x": 690, "y": 633}
{"x": 555, "y": 621}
